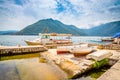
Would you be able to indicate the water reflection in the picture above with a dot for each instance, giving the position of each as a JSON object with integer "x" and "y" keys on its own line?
{"x": 27, "y": 67}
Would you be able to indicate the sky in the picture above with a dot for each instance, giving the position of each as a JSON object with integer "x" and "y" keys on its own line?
{"x": 17, "y": 14}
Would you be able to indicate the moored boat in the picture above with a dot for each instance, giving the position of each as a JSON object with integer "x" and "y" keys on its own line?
{"x": 77, "y": 52}
{"x": 64, "y": 49}
{"x": 51, "y": 39}
{"x": 67, "y": 49}
{"x": 33, "y": 42}
{"x": 107, "y": 39}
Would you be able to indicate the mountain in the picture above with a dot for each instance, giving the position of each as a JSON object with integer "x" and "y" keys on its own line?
{"x": 9, "y": 32}
{"x": 108, "y": 29}
{"x": 54, "y": 26}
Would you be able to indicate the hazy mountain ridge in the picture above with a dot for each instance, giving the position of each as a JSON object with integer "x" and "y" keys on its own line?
{"x": 55, "y": 26}
{"x": 108, "y": 29}
{"x": 9, "y": 32}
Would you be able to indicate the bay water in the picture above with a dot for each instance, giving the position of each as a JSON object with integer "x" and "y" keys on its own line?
{"x": 14, "y": 40}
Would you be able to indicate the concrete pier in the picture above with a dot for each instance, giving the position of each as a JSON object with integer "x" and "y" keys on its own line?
{"x": 74, "y": 66}
{"x": 11, "y": 50}
{"x": 110, "y": 47}
{"x": 112, "y": 74}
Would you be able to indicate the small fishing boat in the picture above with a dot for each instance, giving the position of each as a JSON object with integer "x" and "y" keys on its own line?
{"x": 107, "y": 39}
{"x": 33, "y": 42}
{"x": 64, "y": 49}
{"x": 67, "y": 49}
{"x": 77, "y": 52}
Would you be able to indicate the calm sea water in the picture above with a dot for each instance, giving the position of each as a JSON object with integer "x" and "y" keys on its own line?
{"x": 8, "y": 40}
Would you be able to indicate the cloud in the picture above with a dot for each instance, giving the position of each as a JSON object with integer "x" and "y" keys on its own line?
{"x": 17, "y": 14}
{"x": 95, "y": 12}
{"x": 14, "y": 16}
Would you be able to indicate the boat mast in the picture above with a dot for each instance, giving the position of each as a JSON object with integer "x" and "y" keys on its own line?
{"x": 47, "y": 30}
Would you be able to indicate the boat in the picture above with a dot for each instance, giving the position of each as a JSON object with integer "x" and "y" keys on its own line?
{"x": 52, "y": 39}
{"x": 77, "y": 52}
{"x": 64, "y": 49}
{"x": 107, "y": 39}
{"x": 33, "y": 42}
{"x": 67, "y": 49}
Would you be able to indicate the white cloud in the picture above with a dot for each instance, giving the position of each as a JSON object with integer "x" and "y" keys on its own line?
{"x": 13, "y": 16}
{"x": 94, "y": 12}
{"x": 81, "y": 13}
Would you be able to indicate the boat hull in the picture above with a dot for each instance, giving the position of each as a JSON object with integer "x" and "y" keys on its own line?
{"x": 107, "y": 40}
{"x": 81, "y": 52}
{"x": 48, "y": 45}
{"x": 62, "y": 52}
{"x": 78, "y": 54}
{"x": 33, "y": 43}
{"x": 64, "y": 49}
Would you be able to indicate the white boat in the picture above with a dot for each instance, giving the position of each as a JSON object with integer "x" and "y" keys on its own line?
{"x": 51, "y": 39}
{"x": 33, "y": 42}
{"x": 77, "y": 52}
{"x": 67, "y": 49}
{"x": 64, "y": 49}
